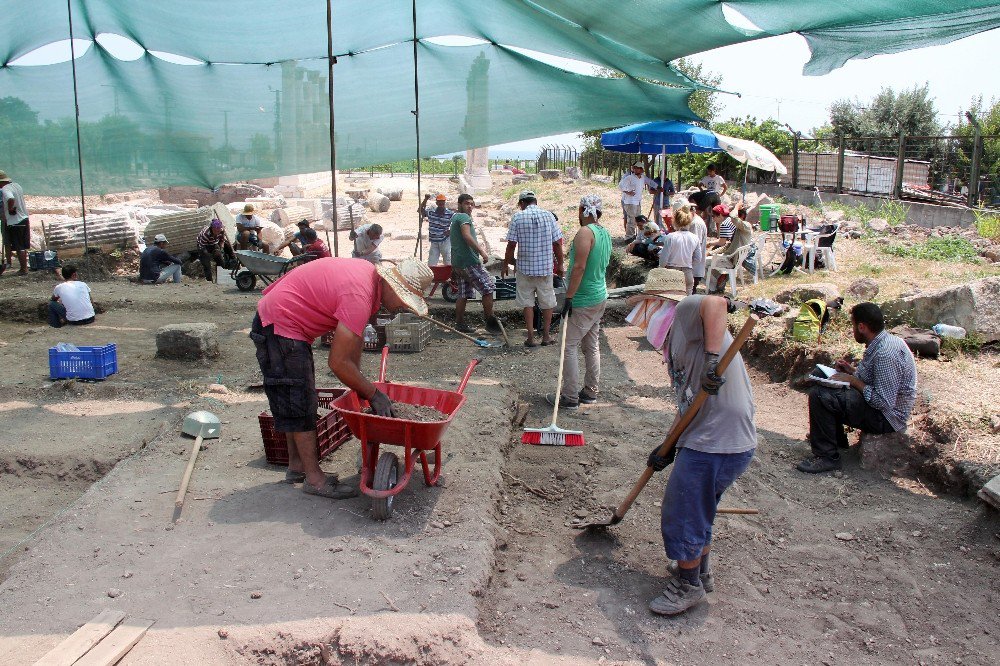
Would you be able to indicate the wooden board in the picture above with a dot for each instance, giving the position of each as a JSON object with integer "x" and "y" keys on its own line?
{"x": 84, "y": 638}
{"x": 117, "y": 644}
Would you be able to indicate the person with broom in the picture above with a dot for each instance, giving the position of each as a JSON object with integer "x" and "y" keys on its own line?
{"x": 586, "y": 298}
{"x": 714, "y": 450}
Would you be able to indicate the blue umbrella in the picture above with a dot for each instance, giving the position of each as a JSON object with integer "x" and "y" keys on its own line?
{"x": 665, "y": 137}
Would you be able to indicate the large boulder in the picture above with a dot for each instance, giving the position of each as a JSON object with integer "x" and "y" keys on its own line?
{"x": 974, "y": 306}
{"x": 878, "y": 225}
{"x": 864, "y": 289}
{"x": 187, "y": 342}
{"x": 550, "y": 174}
{"x": 804, "y": 292}
{"x": 379, "y": 203}
{"x": 922, "y": 342}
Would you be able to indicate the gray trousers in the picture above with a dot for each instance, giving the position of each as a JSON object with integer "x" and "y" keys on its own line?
{"x": 583, "y": 332}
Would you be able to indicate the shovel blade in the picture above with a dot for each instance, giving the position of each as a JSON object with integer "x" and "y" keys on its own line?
{"x": 598, "y": 524}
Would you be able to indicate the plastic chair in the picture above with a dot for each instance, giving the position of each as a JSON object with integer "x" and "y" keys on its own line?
{"x": 759, "y": 241}
{"x": 737, "y": 258}
{"x": 825, "y": 252}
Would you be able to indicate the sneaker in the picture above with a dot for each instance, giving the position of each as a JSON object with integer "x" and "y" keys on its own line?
{"x": 707, "y": 579}
{"x": 587, "y": 398}
{"x": 564, "y": 402}
{"x": 677, "y": 598}
{"x": 817, "y": 465}
{"x": 492, "y": 325}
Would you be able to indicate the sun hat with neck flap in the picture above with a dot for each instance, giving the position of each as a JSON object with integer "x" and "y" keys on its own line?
{"x": 408, "y": 282}
{"x": 665, "y": 283}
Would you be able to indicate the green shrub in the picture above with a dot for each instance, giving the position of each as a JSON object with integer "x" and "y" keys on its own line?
{"x": 944, "y": 248}
{"x": 988, "y": 225}
{"x": 893, "y": 212}
{"x": 971, "y": 343}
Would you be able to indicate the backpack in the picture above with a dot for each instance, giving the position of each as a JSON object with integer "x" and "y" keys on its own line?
{"x": 809, "y": 322}
{"x": 750, "y": 262}
{"x": 793, "y": 258}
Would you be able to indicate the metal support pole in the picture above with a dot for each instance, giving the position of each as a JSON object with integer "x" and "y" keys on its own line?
{"x": 795, "y": 159}
{"x": 977, "y": 154}
{"x": 331, "y": 61}
{"x": 900, "y": 161}
{"x": 840, "y": 167}
{"x": 76, "y": 107}
{"x": 419, "y": 250}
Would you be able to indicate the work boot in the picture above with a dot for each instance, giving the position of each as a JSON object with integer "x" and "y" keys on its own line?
{"x": 587, "y": 398}
{"x": 817, "y": 465}
{"x": 707, "y": 579}
{"x": 564, "y": 402}
{"x": 679, "y": 596}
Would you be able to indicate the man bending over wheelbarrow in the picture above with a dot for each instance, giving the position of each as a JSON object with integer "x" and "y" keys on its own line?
{"x": 335, "y": 294}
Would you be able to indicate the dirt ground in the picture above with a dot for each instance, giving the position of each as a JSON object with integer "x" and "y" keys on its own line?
{"x": 482, "y": 570}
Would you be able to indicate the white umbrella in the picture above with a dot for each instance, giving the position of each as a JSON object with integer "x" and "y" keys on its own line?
{"x": 751, "y": 153}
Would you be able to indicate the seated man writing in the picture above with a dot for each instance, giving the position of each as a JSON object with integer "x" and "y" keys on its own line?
{"x": 248, "y": 228}
{"x": 883, "y": 388}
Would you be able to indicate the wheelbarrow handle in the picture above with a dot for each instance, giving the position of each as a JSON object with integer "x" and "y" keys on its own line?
{"x": 468, "y": 373}
{"x": 382, "y": 365}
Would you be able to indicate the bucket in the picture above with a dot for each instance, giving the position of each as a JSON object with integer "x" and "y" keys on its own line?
{"x": 769, "y": 214}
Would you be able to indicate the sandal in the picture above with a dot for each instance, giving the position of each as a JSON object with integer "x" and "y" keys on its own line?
{"x": 547, "y": 344}
{"x": 528, "y": 343}
{"x": 294, "y": 477}
{"x": 331, "y": 489}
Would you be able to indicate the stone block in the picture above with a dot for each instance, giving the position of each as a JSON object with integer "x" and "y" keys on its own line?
{"x": 864, "y": 289}
{"x": 879, "y": 453}
{"x": 379, "y": 203}
{"x": 550, "y": 174}
{"x": 804, "y": 292}
{"x": 991, "y": 492}
{"x": 187, "y": 342}
{"x": 975, "y": 306}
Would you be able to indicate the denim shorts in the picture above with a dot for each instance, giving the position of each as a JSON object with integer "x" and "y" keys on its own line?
{"x": 289, "y": 378}
{"x": 693, "y": 492}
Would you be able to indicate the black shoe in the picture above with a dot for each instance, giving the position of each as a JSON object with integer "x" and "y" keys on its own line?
{"x": 817, "y": 465}
{"x": 464, "y": 328}
{"x": 587, "y": 398}
{"x": 564, "y": 402}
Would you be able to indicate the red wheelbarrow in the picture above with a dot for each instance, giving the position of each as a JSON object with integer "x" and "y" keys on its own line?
{"x": 380, "y": 477}
{"x": 443, "y": 278}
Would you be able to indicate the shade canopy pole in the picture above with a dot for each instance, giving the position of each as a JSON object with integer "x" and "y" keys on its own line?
{"x": 331, "y": 61}
{"x": 419, "y": 250}
{"x": 76, "y": 107}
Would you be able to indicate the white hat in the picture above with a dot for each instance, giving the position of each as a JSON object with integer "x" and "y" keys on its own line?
{"x": 159, "y": 238}
{"x": 405, "y": 284}
{"x": 680, "y": 202}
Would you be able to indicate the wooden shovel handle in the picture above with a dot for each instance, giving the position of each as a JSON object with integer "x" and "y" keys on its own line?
{"x": 448, "y": 328}
{"x": 179, "y": 502}
{"x": 681, "y": 424}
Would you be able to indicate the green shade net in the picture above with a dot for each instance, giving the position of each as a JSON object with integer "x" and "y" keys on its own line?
{"x": 257, "y": 106}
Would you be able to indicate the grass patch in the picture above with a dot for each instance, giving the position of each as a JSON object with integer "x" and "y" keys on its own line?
{"x": 970, "y": 344}
{"x": 944, "y": 248}
{"x": 874, "y": 270}
{"x": 988, "y": 225}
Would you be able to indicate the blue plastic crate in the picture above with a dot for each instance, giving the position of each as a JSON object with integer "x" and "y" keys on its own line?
{"x": 88, "y": 363}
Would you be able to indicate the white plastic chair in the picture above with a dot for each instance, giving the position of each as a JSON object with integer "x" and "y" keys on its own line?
{"x": 826, "y": 253}
{"x": 737, "y": 258}
{"x": 759, "y": 241}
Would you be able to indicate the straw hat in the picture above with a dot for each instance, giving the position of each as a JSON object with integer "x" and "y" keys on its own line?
{"x": 4, "y": 178}
{"x": 665, "y": 283}
{"x": 405, "y": 281}
{"x": 248, "y": 209}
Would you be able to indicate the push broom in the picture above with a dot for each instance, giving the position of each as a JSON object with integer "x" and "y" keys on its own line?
{"x": 554, "y": 435}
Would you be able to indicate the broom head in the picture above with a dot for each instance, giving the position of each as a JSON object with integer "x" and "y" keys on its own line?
{"x": 552, "y": 436}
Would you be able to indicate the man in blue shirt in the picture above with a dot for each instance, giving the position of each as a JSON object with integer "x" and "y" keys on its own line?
{"x": 156, "y": 265}
{"x": 438, "y": 229}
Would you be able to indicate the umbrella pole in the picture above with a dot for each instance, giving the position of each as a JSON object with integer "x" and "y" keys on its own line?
{"x": 663, "y": 179}
{"x": 331, "y": 61}
{"x": 419, "y": 250}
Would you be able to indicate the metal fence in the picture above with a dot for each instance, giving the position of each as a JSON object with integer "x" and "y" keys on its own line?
{"x": 938, "y": 169}
{"x": 557, "y": 157}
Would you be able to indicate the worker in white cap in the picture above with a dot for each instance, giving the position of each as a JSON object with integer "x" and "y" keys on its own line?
{"x": 156, "y": 265}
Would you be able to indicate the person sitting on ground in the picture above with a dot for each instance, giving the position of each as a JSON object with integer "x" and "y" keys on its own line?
{"x": 648, "y": 245}
{"x": 367, "y": 239}
{"x": 70, "y": 303}
{"x": 156, "y": 265}
{"x": 14, "y": 224}
{"x": 313, "y": 246}
{"x": 883, "y": 388}
{"x": 214, "y": 245}
{"x": 467, "y": 268}
{"x": 712, "y": 452}
{"x": 586, "y": 300}
{"x": 534, "y": 232}
{"x": 683, "y": 249}
{"x": 248, "y": 228}
{"x": 438, "y": 229}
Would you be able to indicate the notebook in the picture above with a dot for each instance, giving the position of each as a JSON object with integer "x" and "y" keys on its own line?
{"x": 821, "y": 375}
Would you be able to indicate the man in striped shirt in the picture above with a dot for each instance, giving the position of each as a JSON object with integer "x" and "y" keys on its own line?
{"x": 214, "y": 245}
{"x": 438, "y": 229}
{"x": 879, "y": 398}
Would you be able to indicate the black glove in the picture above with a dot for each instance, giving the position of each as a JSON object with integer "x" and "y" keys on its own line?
{"x": 730, "y": 305}
{"x": 659, "y": 463}
{"x": 381, "y": 405}
{"x": 710, "y": 380}
{"x": 567, "y": 307}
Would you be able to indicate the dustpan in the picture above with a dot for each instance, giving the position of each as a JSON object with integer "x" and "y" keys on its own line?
{"x": 202, "y": 424}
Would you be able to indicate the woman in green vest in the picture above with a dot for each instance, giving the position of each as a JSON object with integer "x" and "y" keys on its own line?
{"x": 586, "y": 298}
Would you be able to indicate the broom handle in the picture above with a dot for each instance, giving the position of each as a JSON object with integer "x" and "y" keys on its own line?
{"x": 447, "y": 327}
{"x": 562, "y": 362}
{"x": 681, "y": 424}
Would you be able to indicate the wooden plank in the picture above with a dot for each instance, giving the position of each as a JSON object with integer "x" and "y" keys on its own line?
{"x": 117, "y": 644}
{"x": 84, "y": 638}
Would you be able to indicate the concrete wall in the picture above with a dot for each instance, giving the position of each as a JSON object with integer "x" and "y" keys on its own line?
{"x": 921, "y": 214}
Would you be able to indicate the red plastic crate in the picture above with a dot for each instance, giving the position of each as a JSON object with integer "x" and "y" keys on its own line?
{"x": 331, "y": 430}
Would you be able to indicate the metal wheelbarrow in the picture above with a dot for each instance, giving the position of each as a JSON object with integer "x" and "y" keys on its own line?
{"x": 267, "y": 267}
{"x": 380, "y": 477}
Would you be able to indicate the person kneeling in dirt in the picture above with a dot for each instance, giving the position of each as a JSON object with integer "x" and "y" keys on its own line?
{"x": 313, "y": 246}
{"x": 883, "y": 388}
{"x": 334, "y": 294}
{"x": 213, "y": 245}
{"x": 467, "y": 267}
{"x": 712, "y": 452}
{"x": 70, "y": 303}
{"x": 648, "y": 245}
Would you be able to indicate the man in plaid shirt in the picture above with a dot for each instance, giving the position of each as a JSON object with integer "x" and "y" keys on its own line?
{"x": 536, "y": 235}
{"x": 879, "y": 399}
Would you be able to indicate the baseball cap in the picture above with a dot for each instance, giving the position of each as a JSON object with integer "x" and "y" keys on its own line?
{"x": 159, "y": 238}
{"x": 440, "y": 197}
{"x": 526, "y": 194}
{"x": 721, "y": 209}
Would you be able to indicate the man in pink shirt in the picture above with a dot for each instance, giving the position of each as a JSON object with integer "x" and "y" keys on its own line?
{"x": 334, "y": 294}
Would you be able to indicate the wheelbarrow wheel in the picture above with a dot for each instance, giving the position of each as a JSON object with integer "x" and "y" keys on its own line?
{"x": 246, "y": 281}
{"x": 449, "y": 292}
{"x": 386, "y": 476}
